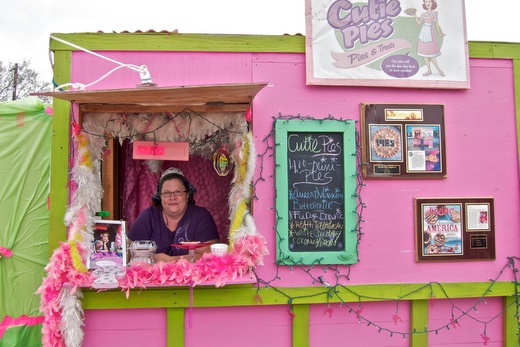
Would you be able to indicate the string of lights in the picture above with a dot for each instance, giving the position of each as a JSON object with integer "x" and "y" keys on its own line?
{"x": 343, "y": 272}
{"x": 268, "y": 151}
{"x": 207, "y": 135}
{"x": 335, "y": 289}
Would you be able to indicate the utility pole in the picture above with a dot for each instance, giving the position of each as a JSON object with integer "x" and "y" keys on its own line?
{"x": 15, "y": 80}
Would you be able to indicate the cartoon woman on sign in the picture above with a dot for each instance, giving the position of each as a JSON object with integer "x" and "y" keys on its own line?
{"x": 428, "y": 47}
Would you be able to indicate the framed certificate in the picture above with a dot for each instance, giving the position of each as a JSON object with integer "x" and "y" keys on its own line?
{"x": 454, "y": 229}
{"x": 403, "y": 141}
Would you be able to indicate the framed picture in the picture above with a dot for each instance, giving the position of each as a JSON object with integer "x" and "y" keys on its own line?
{"x": 403, "y": 141}
{"x": 454, "y": 229}
{"x": 387, "y": 44}
{"x": 109, "y": 244}
{"x": 477, "y": 217}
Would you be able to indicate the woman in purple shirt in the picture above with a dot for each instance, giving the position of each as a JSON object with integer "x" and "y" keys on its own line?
{"x": 174, "y": 218}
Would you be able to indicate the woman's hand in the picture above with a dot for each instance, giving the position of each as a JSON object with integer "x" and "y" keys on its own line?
{"x": 158, "y": 257}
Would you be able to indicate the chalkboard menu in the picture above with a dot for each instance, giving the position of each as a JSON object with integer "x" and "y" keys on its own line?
{"x": 316, "y": 191}
{"x": 315, "y": 184}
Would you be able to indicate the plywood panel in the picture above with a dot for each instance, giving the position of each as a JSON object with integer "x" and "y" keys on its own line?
{"x": 256, "y": 326}
{"x": 482, "y": 161}
{"x": 137, "y": 327}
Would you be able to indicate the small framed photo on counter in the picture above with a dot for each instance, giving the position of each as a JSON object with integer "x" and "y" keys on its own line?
{"x": 108, "y": 247}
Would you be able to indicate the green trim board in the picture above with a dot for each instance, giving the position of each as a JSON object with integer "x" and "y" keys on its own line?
{"x": 231, "y": 295}
{"x": 165, "y": 42}
{"x": 59, "y": 192}
{"x": 244, "y": 295}
{"x": 175, "y": 327}
{"x": 300, "y": 326}
{"x": 316, "y": 181}
{"x": 419, "y": 322}
{"x": 510, "y": 328}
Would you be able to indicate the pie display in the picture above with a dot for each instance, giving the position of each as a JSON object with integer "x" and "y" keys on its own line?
{"x": 432, "y": 249}
{"x": 455, "y": 216}
{"x": 410, "y": 11}
{"x": 386, "y": 142}
{"x": 431, "y": 218}
{"x": 439, "y": 239}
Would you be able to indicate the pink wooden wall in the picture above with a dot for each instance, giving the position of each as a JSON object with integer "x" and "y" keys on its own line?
{"x": 482, "y": 161}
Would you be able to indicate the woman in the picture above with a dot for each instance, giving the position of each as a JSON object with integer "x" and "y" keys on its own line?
{"x": 102, "y": 245}
{"x": 428, "y": 48}
{"x": 174, "y": 218}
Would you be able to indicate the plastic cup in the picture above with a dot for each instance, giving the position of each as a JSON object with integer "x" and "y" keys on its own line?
{"x": 219, "y": 248}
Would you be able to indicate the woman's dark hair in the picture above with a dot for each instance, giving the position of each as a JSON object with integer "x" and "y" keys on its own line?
{"x": 156, "y": 198}
{"x": 434, "y": 5}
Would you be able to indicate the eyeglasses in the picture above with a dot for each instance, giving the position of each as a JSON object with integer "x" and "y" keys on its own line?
{"x": 169, "y": 194}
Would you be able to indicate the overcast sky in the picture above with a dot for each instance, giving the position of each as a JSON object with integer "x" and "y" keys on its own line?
{"x": 26, "y": 25}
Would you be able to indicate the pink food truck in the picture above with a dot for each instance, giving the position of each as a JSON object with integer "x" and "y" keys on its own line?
{"x": 359, "y": 210}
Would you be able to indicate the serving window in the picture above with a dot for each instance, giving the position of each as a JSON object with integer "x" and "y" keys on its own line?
{"x": 211, "y": 138}
{"x": 211, "y": 123}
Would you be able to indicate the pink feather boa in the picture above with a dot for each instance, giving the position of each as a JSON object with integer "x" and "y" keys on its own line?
{"x": 60, "y": 271}
{"x": 247, "y": 253}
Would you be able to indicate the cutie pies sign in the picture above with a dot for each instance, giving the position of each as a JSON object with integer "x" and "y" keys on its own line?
{"x": 392, "y": 43}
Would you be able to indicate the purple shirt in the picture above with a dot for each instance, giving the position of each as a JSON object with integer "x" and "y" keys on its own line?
{"x": 196, "y": 224}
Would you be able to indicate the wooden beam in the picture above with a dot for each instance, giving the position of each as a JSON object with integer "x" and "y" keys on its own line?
{"x": 300, "y": 327}
{"x": 98, "y": 108}
{"x": 110, "y": 180}
{"x": 419, "y": 322}
{"x": 185, "y": 96}
{"x": 59, "y": 186}
{"x": 170, "y": 41}
{"x": 243, "y": 295}
{"x": 510, "y": 330}
{"x": 175, "y": 327}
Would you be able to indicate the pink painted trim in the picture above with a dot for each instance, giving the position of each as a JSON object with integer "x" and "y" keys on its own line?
{"x": 5, "y": 252}
{"x": 8, "y": 322}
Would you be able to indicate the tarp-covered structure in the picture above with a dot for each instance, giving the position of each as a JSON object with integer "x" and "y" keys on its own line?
{"x": 25, "y": 155}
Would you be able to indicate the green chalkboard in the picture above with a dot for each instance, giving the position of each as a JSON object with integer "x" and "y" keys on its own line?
{"x": 315, "y": 192}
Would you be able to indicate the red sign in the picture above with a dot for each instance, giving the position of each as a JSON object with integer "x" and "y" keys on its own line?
{"x": 179, "y": 151}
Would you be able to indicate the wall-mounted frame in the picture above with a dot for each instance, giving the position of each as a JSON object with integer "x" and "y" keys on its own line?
{"x": 108, "y": 247}
{"x": 316, "y": 180}
{"x": 454, "y": 229}
{"x": 386, "y": 44}
{"x": 403, "y": 141}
